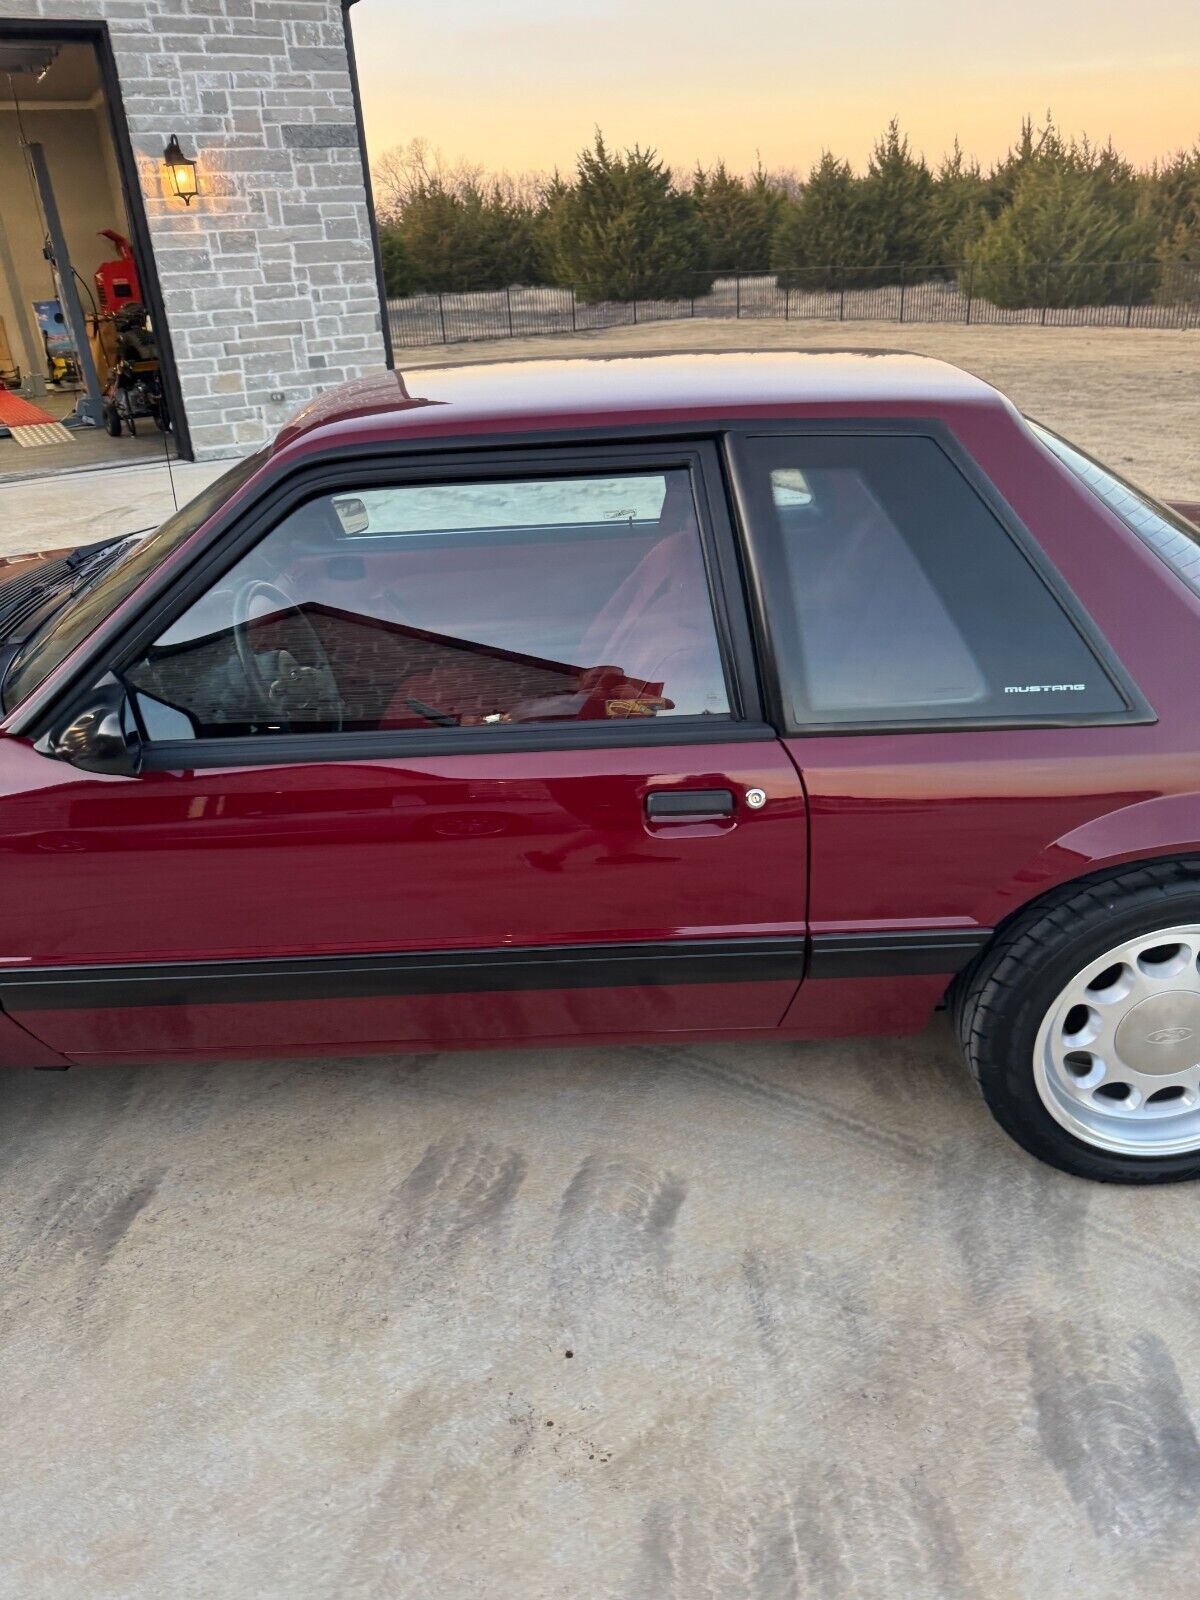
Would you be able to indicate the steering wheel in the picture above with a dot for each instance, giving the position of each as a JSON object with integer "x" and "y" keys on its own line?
{"x": 293, "y": 679}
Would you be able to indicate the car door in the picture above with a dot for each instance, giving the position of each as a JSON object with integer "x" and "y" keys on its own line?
{"x": 432, "y": 755}
{"x": 952, "y": 709}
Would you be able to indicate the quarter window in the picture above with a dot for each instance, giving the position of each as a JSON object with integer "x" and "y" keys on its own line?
{"x": 896, "y": 596}
{"x": 446, "y": 605}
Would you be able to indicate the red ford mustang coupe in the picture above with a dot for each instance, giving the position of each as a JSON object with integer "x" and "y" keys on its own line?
{"x": 693, "y": 696}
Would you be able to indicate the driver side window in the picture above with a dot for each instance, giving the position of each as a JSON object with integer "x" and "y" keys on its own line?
{"x": 447, "y": 605}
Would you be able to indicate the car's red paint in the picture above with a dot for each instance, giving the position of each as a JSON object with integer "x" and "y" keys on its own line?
{"x": 895, "y": 831}
{"x": 19, "y": 1048}
{"x": 454, "y": 852}
{"x": 846, "y": 1008}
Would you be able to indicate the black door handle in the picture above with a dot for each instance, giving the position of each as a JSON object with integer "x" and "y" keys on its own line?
{"x": 690, "y": 803}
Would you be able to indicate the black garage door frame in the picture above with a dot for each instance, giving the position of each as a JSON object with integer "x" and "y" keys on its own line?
{"x": 38, "y": 29}
{"x": 385, "y": 324}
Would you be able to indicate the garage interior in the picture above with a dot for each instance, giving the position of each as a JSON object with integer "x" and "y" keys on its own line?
{"x": 69, "y": 275}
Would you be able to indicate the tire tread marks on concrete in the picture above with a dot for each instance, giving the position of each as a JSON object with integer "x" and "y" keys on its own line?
{"x": 1113, "y": 1421}
{"x": 456, "y": 1189}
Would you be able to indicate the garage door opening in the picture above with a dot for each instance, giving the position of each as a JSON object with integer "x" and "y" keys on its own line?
{"x": 85, "y": 376}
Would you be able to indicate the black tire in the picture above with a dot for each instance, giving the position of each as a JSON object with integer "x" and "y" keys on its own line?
{"x": 112, "y": 420}
{"x": 998, "y": 1004}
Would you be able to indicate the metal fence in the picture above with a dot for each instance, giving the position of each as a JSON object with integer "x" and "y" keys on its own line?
{"x": 1137, "y": 295}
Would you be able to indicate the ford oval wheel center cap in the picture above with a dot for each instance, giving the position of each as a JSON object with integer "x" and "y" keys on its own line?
{"x": 1161, "y": 1035}
{"x": 1117, "y": 1057}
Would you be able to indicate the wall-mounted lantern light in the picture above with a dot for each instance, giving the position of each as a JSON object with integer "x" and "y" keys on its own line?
{"x": 181, "y": 170}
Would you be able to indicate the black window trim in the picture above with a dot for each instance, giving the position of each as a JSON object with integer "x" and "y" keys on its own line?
{"x": 1136, "y": 708}
{"x": 233, "y": 535}
{"x": 742, "y": 602}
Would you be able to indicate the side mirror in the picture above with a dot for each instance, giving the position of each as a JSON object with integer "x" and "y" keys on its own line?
{"x": 98, "y": 738}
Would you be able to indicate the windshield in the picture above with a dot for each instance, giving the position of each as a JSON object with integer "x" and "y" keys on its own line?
{"x": 100, "y": 595}
{"x": 1174, "y": 540}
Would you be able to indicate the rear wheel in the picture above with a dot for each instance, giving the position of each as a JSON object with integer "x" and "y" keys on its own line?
{"x": 1081, "y": 1024}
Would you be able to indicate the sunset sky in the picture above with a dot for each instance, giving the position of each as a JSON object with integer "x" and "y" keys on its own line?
{"x": 519, "y": 84}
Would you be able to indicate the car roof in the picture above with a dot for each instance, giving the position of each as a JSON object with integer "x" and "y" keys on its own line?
{"x": 575, "y": 392}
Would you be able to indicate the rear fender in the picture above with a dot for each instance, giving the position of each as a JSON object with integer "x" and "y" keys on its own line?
{"x": 1148, "y": 830}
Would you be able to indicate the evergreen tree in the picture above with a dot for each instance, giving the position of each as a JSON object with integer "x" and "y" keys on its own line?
{"x": 957, "y": 210}
{"x": 547, "y": 225}
{"x": 896, "y": 207}
{"x": 509, "y": 236}
{"x": 1172, "y": 198}
{"x": 1069, "y": 237}
{"x": 1035, "y": 146}
{"x": 623, "y": 231}
{"x": 465, "y": 238}
{"x": 1172, "y": 194}
{"x": 399, "y": 278}
{"x": 1178, "y": 258}
{"x": 769, "y": 193}
{"x": 737, "y": 218}
{"x": 438, "y": 240}
{"x": 821, "y": 232}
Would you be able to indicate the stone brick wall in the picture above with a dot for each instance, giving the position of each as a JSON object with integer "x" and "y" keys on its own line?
{"x": 269, "y": 277}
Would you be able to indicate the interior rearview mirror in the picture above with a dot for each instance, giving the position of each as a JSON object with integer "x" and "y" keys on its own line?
{"x": 100, "y": 737}
{"x": 352, "y": 513}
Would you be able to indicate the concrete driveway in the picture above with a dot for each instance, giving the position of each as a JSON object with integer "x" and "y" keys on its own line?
{"x": 746, "y": 1321}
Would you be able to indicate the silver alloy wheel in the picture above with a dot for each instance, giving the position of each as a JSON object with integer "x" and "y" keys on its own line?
{"x": 1117, "y": 1058}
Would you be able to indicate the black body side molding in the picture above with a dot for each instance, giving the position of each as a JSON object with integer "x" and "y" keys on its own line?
{"x": 895, "y": 955}
{"x": 441, "y": 972}
{"x": 596, "y": 966}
